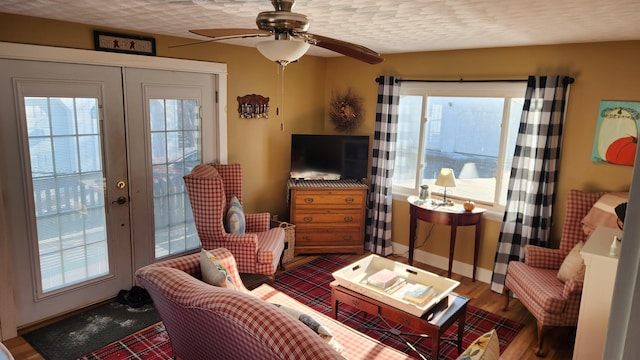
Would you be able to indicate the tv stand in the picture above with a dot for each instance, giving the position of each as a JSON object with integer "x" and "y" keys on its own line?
{"x": 329, "y": 215}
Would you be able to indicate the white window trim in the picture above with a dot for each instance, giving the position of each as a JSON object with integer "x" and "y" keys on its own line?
{"x": 485, "y": 89}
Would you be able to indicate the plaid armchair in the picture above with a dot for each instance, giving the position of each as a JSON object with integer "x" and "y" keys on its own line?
{"x": 535, "y": 282}
{"x": 210, "y": 188}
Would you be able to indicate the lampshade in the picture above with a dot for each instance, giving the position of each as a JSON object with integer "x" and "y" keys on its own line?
{"x": 282, "y": 51}
{"x": 446, "y": 178}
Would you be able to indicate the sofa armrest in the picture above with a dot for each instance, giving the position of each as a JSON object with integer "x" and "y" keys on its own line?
{"x": 544, "y": 258}
{"x": 257, "y": 222}
{"x": 572, "y": 288}
{"x": 190, "y": 264}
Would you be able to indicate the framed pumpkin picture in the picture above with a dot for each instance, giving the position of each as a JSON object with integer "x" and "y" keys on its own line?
{"x": 616, "y": 136}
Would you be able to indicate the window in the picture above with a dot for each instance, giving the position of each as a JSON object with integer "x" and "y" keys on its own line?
{"x": 469, "y": 127}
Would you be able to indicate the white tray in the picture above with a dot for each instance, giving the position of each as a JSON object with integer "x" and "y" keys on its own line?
{"x": 354, "y": 277}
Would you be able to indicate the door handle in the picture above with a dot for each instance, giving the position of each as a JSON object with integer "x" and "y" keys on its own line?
{"x": 120, "y": 201}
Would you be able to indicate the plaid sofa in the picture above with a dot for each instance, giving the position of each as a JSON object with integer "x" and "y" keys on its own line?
{"x": 207, "y": 322}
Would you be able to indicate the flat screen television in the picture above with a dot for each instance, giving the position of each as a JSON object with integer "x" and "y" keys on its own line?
{"x": 329, "y": 157}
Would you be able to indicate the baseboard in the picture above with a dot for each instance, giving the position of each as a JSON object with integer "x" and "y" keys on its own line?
{"x": 442, "y": 262}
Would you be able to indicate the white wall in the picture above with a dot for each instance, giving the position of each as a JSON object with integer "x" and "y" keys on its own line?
{"x": 624, "y": 321}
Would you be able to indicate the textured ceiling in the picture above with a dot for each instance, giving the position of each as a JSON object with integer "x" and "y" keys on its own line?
{"x": 391, "y": 26}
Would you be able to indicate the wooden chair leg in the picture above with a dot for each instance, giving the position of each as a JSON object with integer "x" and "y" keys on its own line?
{"x": 272, "y": 279}
{"x": 506, "y": 292}
{"x": 542, "y": 330}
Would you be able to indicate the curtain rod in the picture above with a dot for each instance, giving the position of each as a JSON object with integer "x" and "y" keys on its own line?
{"x": 567, "y": 80}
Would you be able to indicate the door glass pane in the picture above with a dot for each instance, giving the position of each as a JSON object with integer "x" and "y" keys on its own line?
{"x": 66, "y": 168}
{"x": 175, "y": 151}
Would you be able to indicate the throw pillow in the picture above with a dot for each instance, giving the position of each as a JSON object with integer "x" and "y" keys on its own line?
{"x": 603, "y": 213}
{"x": 234, "y": 221}
{"x": 573, "y": 265}
{"x": 213, "y": 272}
{"x": 485, "y": 347}
{"x": 314, "y": 325}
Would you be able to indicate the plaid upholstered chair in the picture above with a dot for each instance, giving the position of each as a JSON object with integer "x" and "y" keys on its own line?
{"x": 535, "y": 282}
{"x": 211, "y": 187}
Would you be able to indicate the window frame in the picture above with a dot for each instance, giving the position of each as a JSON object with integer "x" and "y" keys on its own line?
{"x": 507, "y": 90}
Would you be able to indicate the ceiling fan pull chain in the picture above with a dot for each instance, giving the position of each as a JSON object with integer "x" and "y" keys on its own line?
{"x": 281, "y": 95}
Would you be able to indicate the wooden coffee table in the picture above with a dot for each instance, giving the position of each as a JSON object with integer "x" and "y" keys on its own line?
{"x": 433, "y": 323}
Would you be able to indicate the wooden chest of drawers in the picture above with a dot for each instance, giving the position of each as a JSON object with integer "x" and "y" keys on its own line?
{"x": 328, "y": 219}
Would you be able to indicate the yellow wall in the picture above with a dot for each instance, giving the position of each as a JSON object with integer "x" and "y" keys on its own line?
{"x": 603, "y": 71}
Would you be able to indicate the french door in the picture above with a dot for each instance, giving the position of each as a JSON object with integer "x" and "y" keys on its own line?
{"x": 68, "y": 166}
{"x": 166, "y": 113}
{"x": 98, "y": 158}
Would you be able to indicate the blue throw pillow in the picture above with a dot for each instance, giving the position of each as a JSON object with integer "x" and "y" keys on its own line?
{"x": 235, "y": 223}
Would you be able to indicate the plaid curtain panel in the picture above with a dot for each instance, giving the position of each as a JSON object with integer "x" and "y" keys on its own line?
{"x": 378, "y": 234}
{"x": 532, "y": 185}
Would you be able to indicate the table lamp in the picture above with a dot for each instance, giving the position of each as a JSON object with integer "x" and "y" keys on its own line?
{"x": 446, "y": 178}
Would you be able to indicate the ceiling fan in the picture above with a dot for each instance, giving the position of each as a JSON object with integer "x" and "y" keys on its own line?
{"x": 291, "y": 39}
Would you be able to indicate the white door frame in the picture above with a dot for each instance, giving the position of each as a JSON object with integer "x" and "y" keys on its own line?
{"x": 213, "y": 152}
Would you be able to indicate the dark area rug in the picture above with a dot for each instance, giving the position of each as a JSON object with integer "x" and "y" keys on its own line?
{"x": 80, "y": 334}
{"x": 151, "y": 343}
{"x": 309, "y": 284}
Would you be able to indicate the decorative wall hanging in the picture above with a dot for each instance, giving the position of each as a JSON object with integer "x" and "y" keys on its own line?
{"x": 616, "y": 136}
{"x": 345, "y": 111}
{"x": 253, "y": 106}
{"x": 130, "y": 44}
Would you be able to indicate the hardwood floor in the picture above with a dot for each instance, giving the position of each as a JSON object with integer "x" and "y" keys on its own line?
{"x": 558, "y": 342}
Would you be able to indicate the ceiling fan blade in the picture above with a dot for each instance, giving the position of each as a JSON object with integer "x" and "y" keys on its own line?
{"x": 216, "y": 39}
{"x": 215, "y": 33}
{"x": 355, "y": 51}
{"x": 226, "y": 37}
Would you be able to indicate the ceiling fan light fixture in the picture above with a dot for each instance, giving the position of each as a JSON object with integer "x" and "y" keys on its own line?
{"x": 283, "y": 51}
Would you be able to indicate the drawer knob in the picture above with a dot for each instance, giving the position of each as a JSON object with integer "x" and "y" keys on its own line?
{"x": 348, "y": 218}
{"x": 307, "y": 237}
{"x": 347, "y": 237}
{"x": 355, "y": 302}
{"x": 308, "y": 200}
{"x": 308, "y": 219}
{"x": 349, "y": 200}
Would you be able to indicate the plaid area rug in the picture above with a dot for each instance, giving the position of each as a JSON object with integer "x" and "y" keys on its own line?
{"x": 151, "y": 343}
{"x": 309, "y": 284}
